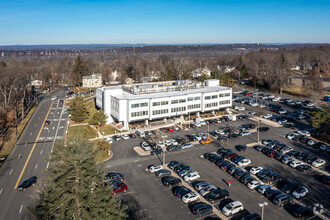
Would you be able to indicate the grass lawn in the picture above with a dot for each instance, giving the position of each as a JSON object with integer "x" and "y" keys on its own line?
{"x": 102, "y": 148}
{"x": 84, "y": 131}
{"x": 108, "y": 129}
{"x": 6, "y": 149}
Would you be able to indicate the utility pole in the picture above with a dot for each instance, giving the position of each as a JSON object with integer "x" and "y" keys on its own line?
{"x": 262, "y": 205}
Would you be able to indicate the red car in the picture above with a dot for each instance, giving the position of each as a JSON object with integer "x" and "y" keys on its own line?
{"x": 232, "y": 155}
{"x": 271, "y": 153}
{"x": 119, "y": 188}
{"x": 169, "y": 128}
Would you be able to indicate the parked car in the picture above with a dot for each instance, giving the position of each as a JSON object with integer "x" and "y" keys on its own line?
{"x": 191, "y": 176}
{"x": 262, "y": 189}
{"x": 190, "y": 197}
{"x": 290, "y": 187}
{"x": 271, "y": 193}
{"x": 282, "y": 200}
{"x": 201, "y": 209}
{"x": 232, "y": 208}
{"x": 256, "y": 169}
{"x": 206, "y": 141}
{"x": 163, "y": 172}
{"x": 303, "y": 212}
{"x": 155, "y": 168}
{"x": 179, "y": 192}
{"x": 121, "y": 187}
{"x": 318, "y": 163}
{"x": 171, "y": 181}
{"x": 241, "y": 147}
{"x": 253, "y": 184}
{"x": 216, "y": 194}
{"x": 253, "y": 216}
{"x": 244, "y": 162}
{"x": 304, "y": 167}
{"x": 186, "y": 146}
{"x": 174, "y": 164}
{"x": 27, "y": 183}
{"x": 207, "y": 189}
{"x": 145, "y": 146}
{"x": 300, "y": 192}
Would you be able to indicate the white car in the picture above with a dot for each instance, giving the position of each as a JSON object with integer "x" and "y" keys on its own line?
{"x": 161, "y": 144}
{"x": 241, "y": 108}
{"x": 267, "y": 116}
{"x": 264, "y": 97}
{"x": 199, "y": 138}
{"x": 191, "y": 176}
{"x": 252, "y": 113}
{"x": 256, "y": 169}
{"x": 290, "y": 136}
{"x": 174, "y": 142}
{"x": 207, "y": 189}
{"x": 282, "y": 111}
{"x": 53, "y": 98}
{"x": 190, "y": 197}
{"x": 286, "y": 149}
{"x": 154, "y": 168}
{"x": 201, "y": 185}
{"x": 232, "y": 208}
{"x": 109, "y": 139}
{"x": 305, "y": 133}
{"x": 145, "y": 146}
{"x": 271, "y": 96}
{"x": 253, "y": 184}
{"x": 196, "y": 124}
{"x": 245, "y": 133}
{"x": 282, "y": 121}
{"x": 295, "y": 163}
{"x": 186, "y": 146}
{"x": 168, "y": 142}
{"x": 254, "y": 104}
{"x": 311, "y": 142}
{"x": 262, "y": 106}
{"x": 202, "y": 135}
{"x": 262, "y": 189}
{"x": 124, "y": 137}
{"x": 318, "y": 163}
{"x": 244, "y": 162}
{"x": 300, "y": 192}
{"x": 287, "y": 160}
{"x": 276, "y": 99}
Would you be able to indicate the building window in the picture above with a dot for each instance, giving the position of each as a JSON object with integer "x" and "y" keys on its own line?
{"x": 221, "y": 95}
{"x": 197, "y": 98}
{"x": 178, "y": 109}
{"x": 182, "y": 100}
{"x": 160, "y": 112}
{"x": 190, "y": 99}
{"x": 227, "y": 94}
{"x": 135, "y": 105}
{"x": 137, "y": 114}
{"x": 224, "y": 102}
{"x": 156, "y": 104}
{"x": 209, "y": 105}
{"x": 194, "y": 106}
{"x": 174, "y": 101}
{"x": 164, "y": 103}
{"x": 214, "y": 96}
{"x": 144, "y": 104}
{"x": 207, "y": 97}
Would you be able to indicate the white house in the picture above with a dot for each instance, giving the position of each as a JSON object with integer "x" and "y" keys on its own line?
{"x": 201, "y": 71}
{"x": 154, "y": 101}
{"x": 36, "y": 83}
{"x": 226, "y": 69}
{"x": 94, "y": 80}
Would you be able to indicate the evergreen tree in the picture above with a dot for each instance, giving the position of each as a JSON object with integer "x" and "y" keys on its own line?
{"x": 79, "y": 70}
{"x": 79, "y": 111}
{"x": 99, "y": 118}
{"x": 73, "y": 188}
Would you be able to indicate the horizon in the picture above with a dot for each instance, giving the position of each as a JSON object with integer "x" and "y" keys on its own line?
{"x": 163, "y": 22}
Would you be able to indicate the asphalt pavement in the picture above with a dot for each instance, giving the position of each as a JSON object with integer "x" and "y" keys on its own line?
{"x": 27, "y": 158}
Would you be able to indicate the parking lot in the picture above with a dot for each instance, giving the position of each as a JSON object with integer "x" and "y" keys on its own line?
{"x": 148, "y": 198}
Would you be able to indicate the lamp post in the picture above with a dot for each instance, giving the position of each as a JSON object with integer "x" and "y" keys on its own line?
{"x": 262, "y": 205}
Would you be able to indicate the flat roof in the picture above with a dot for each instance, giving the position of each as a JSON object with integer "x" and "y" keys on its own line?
{"x": 130, "y": 96}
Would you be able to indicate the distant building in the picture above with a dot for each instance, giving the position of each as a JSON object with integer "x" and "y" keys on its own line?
{"x": 295, "y": 68}
{"x": 200, "y": 72}
{"x": 36, "y": 83}
{"x": 94, "y": 80}
{"x": 129, "y": 81}
{"x": 226, "y": 69}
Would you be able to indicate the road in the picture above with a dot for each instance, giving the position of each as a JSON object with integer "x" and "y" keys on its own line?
{"x": 27, "y": 159}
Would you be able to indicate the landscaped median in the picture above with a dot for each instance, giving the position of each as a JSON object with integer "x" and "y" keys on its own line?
{"x": 6, "y": 149}
{"x": 83, "y": 131}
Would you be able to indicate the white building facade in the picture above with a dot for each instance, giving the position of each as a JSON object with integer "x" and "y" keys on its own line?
{"x": 147, "y": 102}
{"x": 92, "y": 81}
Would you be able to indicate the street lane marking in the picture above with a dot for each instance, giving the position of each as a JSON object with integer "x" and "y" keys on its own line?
{"x": 19, "y": 156}
{"x": 40, "y": 152}
{"x": 34, "y": 145}
{"x": 35, "y": 125}
{"x": 1, "y": 190}
{"x": 36, "y": 166}
{"x": 10, "y": 172}
{"x": 20, "y": 210}
{"x": 30, "y": 133}
{"x": 47, "y": 165}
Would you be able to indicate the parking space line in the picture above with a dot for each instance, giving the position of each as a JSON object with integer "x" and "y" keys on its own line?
{"x": 20, "y": 210}
{"x": 10, "y": 172}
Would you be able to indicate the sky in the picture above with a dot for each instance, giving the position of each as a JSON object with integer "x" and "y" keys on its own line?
{"x": 26, "y": 22}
